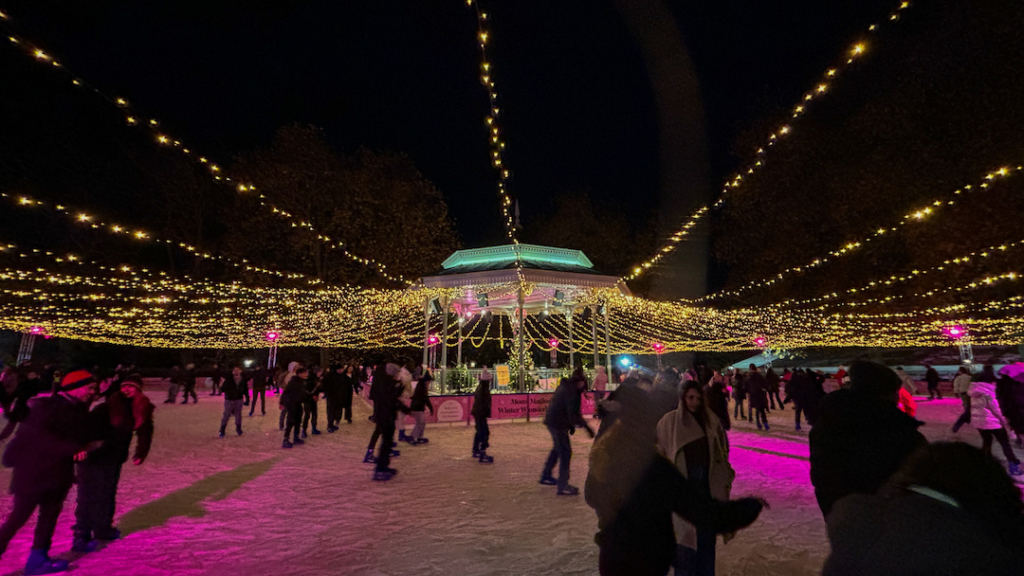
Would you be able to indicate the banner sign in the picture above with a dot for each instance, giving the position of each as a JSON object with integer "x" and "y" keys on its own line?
{"x": 503, "y": 407}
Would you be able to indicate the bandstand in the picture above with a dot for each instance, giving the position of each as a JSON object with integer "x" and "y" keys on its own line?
{"x": 518, "y": 281}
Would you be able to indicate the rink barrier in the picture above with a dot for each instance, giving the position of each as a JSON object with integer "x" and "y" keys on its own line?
{"x": 457, "y": 408}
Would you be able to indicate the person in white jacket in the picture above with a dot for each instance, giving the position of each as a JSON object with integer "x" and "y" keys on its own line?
{"x": 988, "y": 420}
{"x": 961, "y": 386}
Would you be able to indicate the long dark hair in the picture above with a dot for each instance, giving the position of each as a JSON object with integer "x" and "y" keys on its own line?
{"x": 977, "y": 481}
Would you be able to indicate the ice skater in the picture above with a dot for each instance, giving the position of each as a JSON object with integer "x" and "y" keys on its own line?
{"x": 757, "y": 389}
{"x": 350, "y": 384}
{"x": 310, "y": 406}
{"x": 331, "y": 387}
{"x": 259, "y": 390}
{"x": 418, "y": 405}
{"x": 385, "y": 392}
{"x": 177, "y": 380}
{"x": 291, "y": 401}
{"x": 234, "y": 390}
{"x": 190, "y": 385}
{"x": 43, "y": 452}
{"x": 562, "y": 418}
{"x": 125, "y": 413}
{"x": 481, "y": 412}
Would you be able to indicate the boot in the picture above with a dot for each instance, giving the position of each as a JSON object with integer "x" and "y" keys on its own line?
{"x": 286, "y": 444}
{"x": 568, "y": 490}
{"x": 485, "y": 459}
{"x": 298, "y": 441}
{"x": 316, "y": 432}
{"x": 379, "y": 476}
{"x": 369, "y": 458}
{"x": 548, "y": 481}
{"x": 797, "y": 426}
{"x": 304, "y": 434}
{"x": 401, "y": 435}
{"x": 39, "y": 562}
{"x": 83, "y": 543}
{"x": 395, "y": 453}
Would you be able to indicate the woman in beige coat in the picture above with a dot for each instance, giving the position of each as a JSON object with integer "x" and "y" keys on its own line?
{"x": 693, "y": 439}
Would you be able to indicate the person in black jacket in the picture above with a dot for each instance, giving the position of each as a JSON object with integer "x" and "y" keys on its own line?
{"x": 562, "y": 418}
{"x": 861, "y": 437}
{"x": 931, "y": 376}
{"x": 798, "y": 389}
{"x": 635, "y": 491}
{"x": 331, "y": 387}
{"x": 28, "y": 387}
{"x": 718, "y": 399}
{"x": 43, "y": 452}
{"x": 311, "y": 407}
{"x": 739, "y": 393}
{"x": 259, "y": 390}
{"x": 234, "y": 388}
{"x": 385, "y": 393}
{"x": 773, "y": 384}
{"x": 757, "y": 389}
{"x": 418, "y": 405}
{"x": 113, "y": 422}
{"x": 481, "y": 412}
{"x": 291, "y": 401}
{"x": 177, "y": 380}
{"x": 190, "y": 385}
{"x": 350, "y": 385}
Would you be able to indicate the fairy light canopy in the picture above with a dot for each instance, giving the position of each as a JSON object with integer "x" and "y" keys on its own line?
{"x": 490, "y": 278}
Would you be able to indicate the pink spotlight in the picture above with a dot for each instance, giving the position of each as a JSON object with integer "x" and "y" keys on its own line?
{"x": 658, "y": 347}
{"x": 433, "y": 340}
{"x": 553, "y": 342}
{"x": 760, "y": 341}
{"x": 273, "y": 336}
{"x": 36, "y": 330}
{"x": 955, "y": 332}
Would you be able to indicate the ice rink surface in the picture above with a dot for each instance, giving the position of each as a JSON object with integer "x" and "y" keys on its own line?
{"x": 243, "y": 506}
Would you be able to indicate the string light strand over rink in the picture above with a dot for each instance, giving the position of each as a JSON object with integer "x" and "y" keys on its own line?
{"x": 785, "y": 130}
{"x": 161, "y": 138}
{"x": 923, "y": 214}
{"x": 494, "y": 137}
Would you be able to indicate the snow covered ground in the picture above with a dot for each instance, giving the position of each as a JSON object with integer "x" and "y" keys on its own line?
{"x": 243, "y": 506}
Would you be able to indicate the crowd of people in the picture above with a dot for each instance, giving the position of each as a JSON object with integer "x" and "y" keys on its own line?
{"x": 660, "y": 478}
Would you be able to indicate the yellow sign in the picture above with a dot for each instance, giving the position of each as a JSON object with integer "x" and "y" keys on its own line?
{"x": 503, "y": 374}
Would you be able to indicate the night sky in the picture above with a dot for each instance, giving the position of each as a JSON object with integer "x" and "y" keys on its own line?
{"x": 578, "y": 110}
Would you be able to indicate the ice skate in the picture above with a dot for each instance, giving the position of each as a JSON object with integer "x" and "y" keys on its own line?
{"x": 395, "y": 453}
{"x": 83, "y": 545}
{"x": 568, "y": 490}
{"x": 304, "y": 434}
{"x": 316, "y": 432}
{"x": 422, "y": 441}
{"x": 1015, "y": 469}
{"x": 548, "y": 481}
{"x": 286, "y": 444}
{"x": 39, "y": 562}
{"x": 298, "y": 441}
{"x": 369, "y": 458}
{"x": 485, "y": 459}
{"x": 382, "y": 476}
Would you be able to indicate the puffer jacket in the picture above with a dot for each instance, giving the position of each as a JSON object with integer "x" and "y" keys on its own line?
{"x": 985, "y": 413}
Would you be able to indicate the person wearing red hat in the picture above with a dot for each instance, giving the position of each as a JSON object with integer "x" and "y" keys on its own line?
{"x": 43, "y": 452}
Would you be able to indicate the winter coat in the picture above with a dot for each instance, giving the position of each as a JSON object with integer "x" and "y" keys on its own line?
{"x": 757, "y": 389}
{"x": 259, "y": 380}
{"x": 331, "y": 386}
{"x": 985, "y": 412}
{"x": 932, "y": 378}
{"x": 114, "y": 422}
{"x": 43, "y": 449}
{"x": 234, "y": 390}
{"x": 420, "y": 400}
{"x": 718, "y": 402}
{"x": 771, "y": 382}
{"x": 564, "y": 410}
{"x": 601, "y": 379}
{"x": 739, "y": 391}
{"x": 385, "y": 392}
{"x": 482, "y": 400}
{"x": 1010, "y": 394}
{"x": 857, "y": 443}
{"x": 962, "y": 383}
{"x": 294, "y": 393}
{"x": 634, "y": 491}
{"x": 676, "y": 430}
{"x": 898, "y": 532}
{"x": 349, "y": 385}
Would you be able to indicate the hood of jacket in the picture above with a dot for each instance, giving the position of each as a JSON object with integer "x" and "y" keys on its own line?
{"x": 979, "y": 389}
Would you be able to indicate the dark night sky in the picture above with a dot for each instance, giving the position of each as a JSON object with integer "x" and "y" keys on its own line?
{"x": 578, "y": 110}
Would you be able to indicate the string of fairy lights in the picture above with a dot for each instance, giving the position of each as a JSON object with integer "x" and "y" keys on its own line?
{"x": 782, "y": 132}
{"x": 918, "y": 215}
{"x": 162, "y": 139}
{"x": 494, "y": 137}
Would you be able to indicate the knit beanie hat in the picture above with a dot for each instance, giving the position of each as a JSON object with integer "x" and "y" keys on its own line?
{"x": 76, "y": 379}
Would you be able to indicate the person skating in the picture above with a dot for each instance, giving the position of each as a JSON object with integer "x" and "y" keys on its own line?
{"x": 350, "y": 384}
{"x": 114, "y": 422}
{"x": 418, "y": 405}
{"x": 718, "y": 399}
{"x": 949, "y": 510}
{"x": 1010, "y": 393}
{"x": 860, "y": 437}
{"x": 216, "y": 380}
{"x": 961, "y": 387}
{"x": 331, "y": 387}
{"x": 757, "y": 389}
{"x": 311, "y": 406}
{"x": 739, "y": 394}
{"x": 281, "y": 382}
{"x": 388, "y": 389}
{"x": 481, "y": 412}
{"x": 932, "y": 377}
{"x": 259, "y": 390}
{"x": 291, "y": 401}
{"x": 772, "y": 386}
{"x": 27, "y": 388}
{"x": 988, "y": 419}
{"x": 692, "y": 438}
{"x": 797, "y": 389}
{"x": 234, "y": 389}
{"x": 405, "y": 378}
{"x": 562, "y": 418}
{"x": 43, "y": 452}
{"x": 190, "y": 385}
{"x": 177, "y": 380}
{"x": 635, "y": 491}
